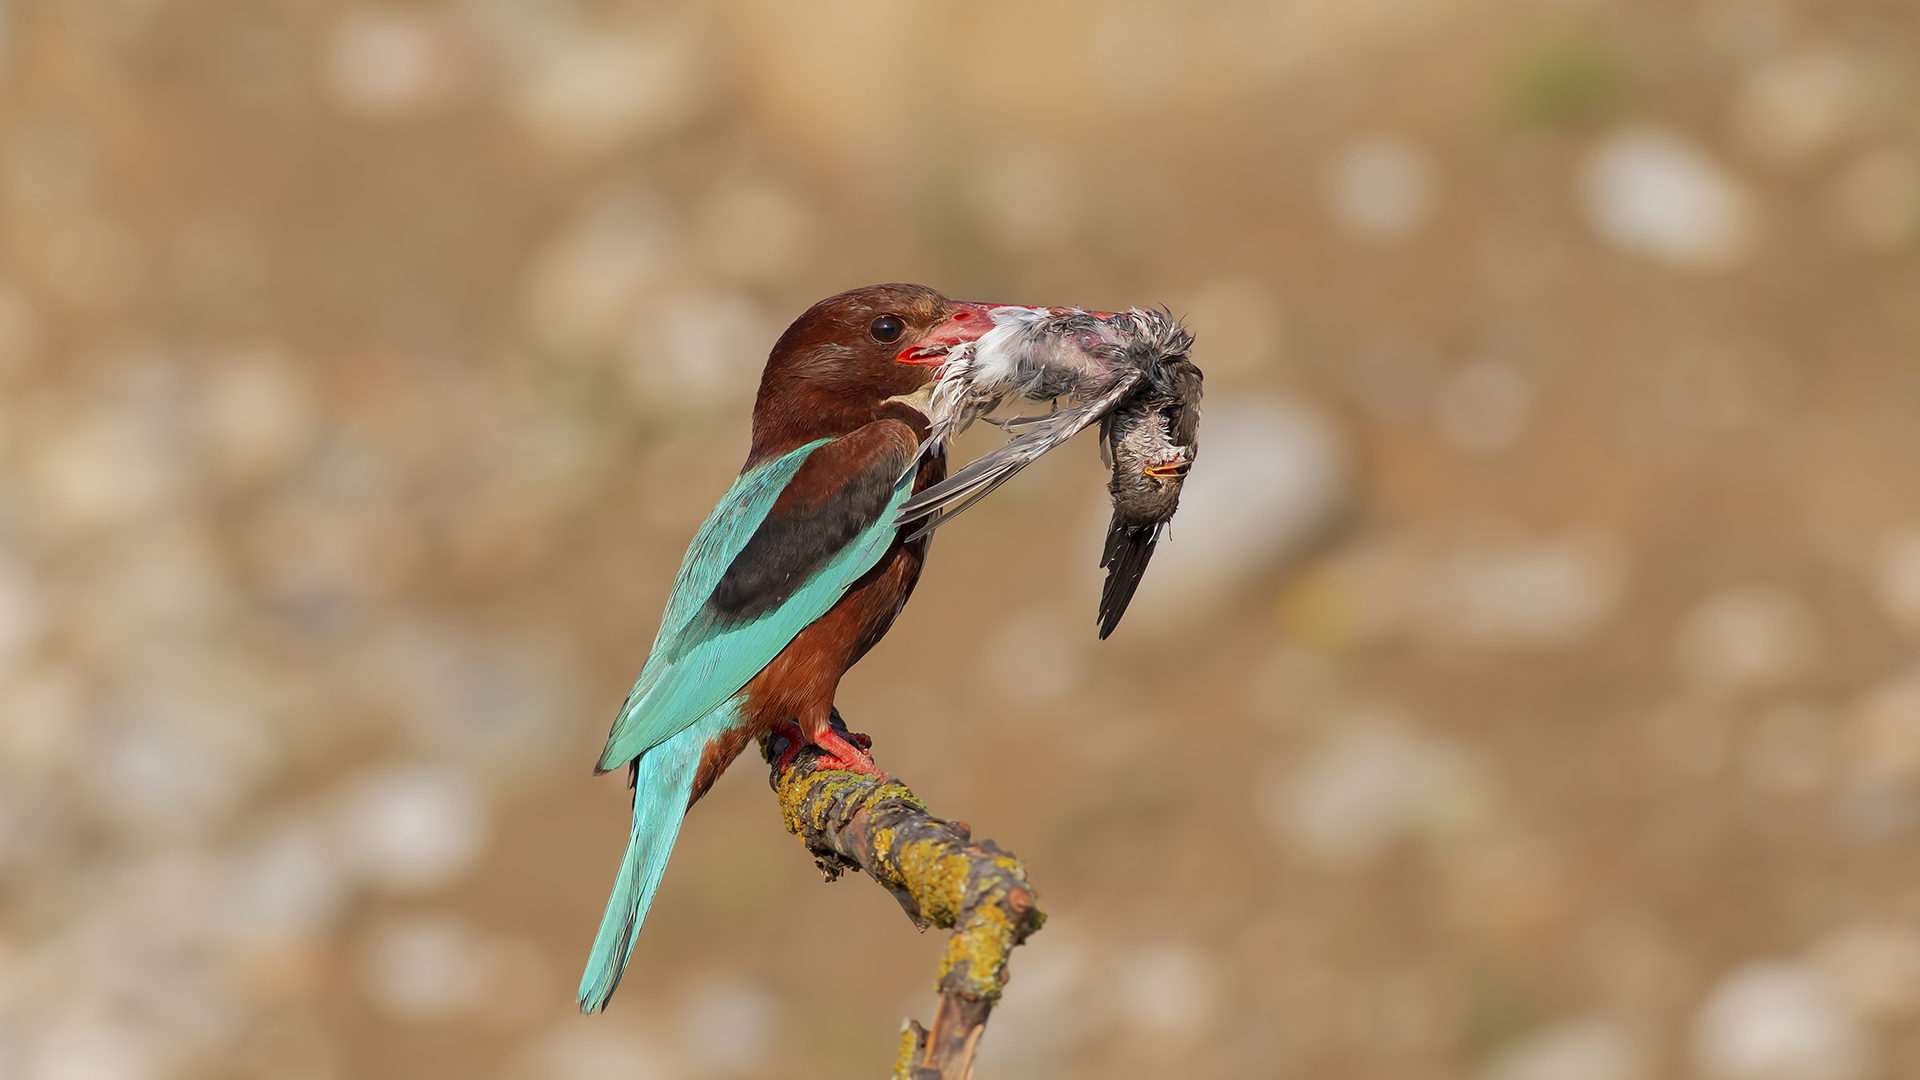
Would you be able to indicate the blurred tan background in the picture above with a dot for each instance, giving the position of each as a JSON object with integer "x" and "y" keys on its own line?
{"x": 1527, "y": 693}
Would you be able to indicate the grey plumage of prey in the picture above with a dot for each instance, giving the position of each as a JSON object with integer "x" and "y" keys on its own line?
{"x": 1128, "y": 371}
{"x": 1150, "y": 440}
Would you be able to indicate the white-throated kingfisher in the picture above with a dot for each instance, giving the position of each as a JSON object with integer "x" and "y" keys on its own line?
{"x": 796, "y": 574}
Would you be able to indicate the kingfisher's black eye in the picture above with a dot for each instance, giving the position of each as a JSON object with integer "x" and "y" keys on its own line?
{"x": 887, "y": 329}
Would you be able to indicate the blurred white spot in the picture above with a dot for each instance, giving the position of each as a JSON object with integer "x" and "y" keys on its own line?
{"x": 439, "y": 967}
{"x": 698, "y": 349}
{"x": 1029, "y": 198}
{"x": 256, "y": 414}
{"x": 586, "y": 285}
{"x": 1746, "y": 636}
{"x": 1483, "y": 407}
{"x": 160, "y": 586}
{"x": 1382, "y": 187}
{"x": 1522, "y": 594}
{"x": 752, "y": 231}
{"x": 730, "y": 1024}
{"x": 1873, "y": 968}
{"x": 1791, "y": 108}
{"x": 1270, "y": 476}
{"x": 1241, "y": 323}
{"x": 1772, "y": 1020}
{"x": 83, "y": 1047}
{"x": 1035, "y": 658}
{"x": 1648, "y": 191}
{"x": 572, "y": 1050}
{"x": 411, "y": 827}
{"x": 1371, "y": 784}
{"x": 424, "y": 968}
{"x": 162, "y": 896}
{"x": 1512, "y": 592}
{"x": 174, "y": 765}
{"x": 1575, "y": 1050}
{"x": 105, "y": 468}
{"x": 589, "y": 89}
{"x": 1875, "y": 202}
{"x": 1167, "y": 991}
{"x": 19, "y": 331}
{"x": 1139, "y": 54}
{"x": 387, "y": 62}
{"x": 285, "y": 885}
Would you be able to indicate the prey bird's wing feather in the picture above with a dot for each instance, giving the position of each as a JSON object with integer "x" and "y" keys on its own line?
{"x": 1018, "y": 424}
{"x": 940, "y": 502}
{"x": 785, "y": 543}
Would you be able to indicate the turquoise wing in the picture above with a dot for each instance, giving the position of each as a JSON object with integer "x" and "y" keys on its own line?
{"x": 726, "y": 530}
{"x": 701, "y": 658}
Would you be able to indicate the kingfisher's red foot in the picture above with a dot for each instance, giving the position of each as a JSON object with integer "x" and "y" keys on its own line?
{"x": 849, "y": 753}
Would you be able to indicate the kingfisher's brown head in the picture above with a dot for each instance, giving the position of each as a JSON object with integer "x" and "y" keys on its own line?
{"x": 855, "y": 358}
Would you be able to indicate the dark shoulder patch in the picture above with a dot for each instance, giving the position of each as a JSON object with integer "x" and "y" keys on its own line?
{"x": 842, "y": 489}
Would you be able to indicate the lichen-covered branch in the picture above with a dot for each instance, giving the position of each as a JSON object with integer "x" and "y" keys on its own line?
{"x": 940, "y": 875}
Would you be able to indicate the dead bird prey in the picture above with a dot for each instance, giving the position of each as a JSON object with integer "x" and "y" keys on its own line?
{"x": 1127, "y": 370}
{"x": 1151, "y": 440}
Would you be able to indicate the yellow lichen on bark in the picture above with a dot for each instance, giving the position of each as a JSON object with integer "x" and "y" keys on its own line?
{"x": 940, "y": 875}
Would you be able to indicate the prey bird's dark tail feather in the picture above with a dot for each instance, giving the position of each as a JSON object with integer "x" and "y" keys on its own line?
{"x": 1129, "y": 548}
{"x": 939, "y": 503}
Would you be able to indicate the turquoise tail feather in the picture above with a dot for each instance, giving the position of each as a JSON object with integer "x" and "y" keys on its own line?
{"x": 662, "y": 786}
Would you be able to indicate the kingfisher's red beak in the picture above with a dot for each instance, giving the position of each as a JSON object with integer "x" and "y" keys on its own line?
{"x": 967, "y": 323}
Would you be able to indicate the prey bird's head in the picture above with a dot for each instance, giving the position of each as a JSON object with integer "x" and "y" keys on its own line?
{"x": 853, "y": 357}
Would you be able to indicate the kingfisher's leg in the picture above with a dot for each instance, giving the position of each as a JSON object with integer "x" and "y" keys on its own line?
{"x": 796, "y": 739}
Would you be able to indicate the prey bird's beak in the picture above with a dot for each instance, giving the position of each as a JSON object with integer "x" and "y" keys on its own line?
{"x": 966, "y": 324}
